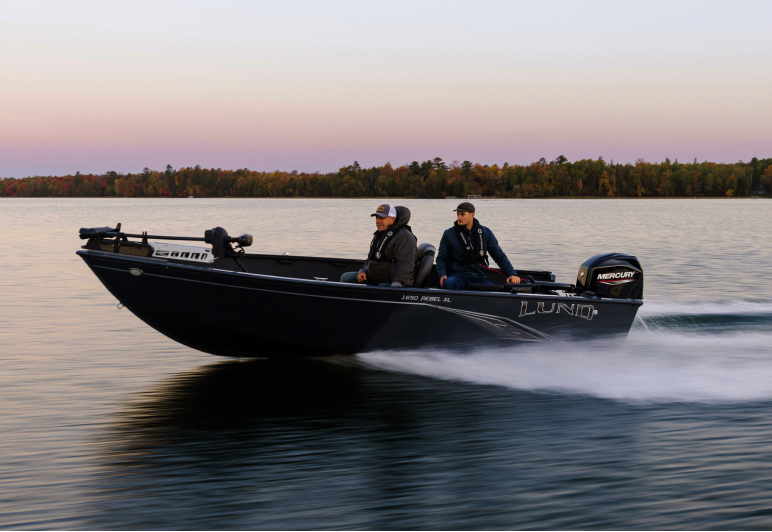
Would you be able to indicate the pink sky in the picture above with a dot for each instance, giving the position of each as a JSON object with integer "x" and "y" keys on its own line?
{"x": 98, "y": 86}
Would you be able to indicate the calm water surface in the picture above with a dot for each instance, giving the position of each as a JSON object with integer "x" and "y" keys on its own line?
{"x": 107, "y": 424}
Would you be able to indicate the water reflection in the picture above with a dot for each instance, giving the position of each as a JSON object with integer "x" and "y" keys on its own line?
{"x": 241, "y": 393}
{"x": 296, "y": 444}
{"x": 310, "y": 444}
{"x": 272, "y": 444}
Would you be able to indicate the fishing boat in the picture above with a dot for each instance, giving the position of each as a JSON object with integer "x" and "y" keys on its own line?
{"x": 216, "y": 298}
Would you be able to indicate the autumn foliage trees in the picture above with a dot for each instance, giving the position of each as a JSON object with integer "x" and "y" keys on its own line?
{"x": 429, "y": 179}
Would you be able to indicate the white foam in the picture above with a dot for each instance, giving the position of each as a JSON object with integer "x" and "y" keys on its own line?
{"x": 648, "y": 367}
{"x": 698, "y": 308}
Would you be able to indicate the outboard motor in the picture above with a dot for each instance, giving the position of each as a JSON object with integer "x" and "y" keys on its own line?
{"x": 611, "y": 275}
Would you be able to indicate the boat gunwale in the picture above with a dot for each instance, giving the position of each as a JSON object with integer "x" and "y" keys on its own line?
{"x": 337, "y": 284}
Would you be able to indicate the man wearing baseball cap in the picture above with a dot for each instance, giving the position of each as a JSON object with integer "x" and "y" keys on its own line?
{"x": 391, "y": 261}
{"x": 463, "y": 256}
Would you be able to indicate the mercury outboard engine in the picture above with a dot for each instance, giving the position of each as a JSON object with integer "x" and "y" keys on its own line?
{"x": 611, "y": 275}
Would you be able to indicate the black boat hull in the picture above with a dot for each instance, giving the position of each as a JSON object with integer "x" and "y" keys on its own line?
{"x": 250, "y": 315}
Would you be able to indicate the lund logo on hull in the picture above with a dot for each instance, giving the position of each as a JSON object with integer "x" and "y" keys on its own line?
{"x": 574, "y": 309}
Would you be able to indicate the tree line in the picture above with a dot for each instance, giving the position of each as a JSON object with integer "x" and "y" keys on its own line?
{"x": 429, "y": 179}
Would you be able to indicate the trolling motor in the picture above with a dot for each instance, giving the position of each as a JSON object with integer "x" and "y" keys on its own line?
{"x": 107, "y": 239}
{"x": 223, "y": 245}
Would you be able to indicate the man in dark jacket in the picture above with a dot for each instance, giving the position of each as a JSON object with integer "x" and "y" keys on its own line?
{"x": 464, "y": 250}
{"x": 391, "y": 261}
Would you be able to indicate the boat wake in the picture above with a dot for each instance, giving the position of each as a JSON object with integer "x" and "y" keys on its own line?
{"x": 676, "y": 352}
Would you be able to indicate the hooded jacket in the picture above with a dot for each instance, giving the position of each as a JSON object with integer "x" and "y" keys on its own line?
{"x": 451, "y": 257}
{"x": 399, "y": 255}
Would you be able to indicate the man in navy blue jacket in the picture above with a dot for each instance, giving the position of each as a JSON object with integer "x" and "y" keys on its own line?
{"x": 464, "y": 251}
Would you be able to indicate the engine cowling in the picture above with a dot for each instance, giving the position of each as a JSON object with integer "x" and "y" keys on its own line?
{"x": 611, "y": 275}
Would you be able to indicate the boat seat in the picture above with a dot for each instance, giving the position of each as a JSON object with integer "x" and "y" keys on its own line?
{"x": 424, "y": 263}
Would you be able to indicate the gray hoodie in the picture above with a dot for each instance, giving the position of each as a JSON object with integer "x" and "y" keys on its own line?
{"x": 402, "y": 249}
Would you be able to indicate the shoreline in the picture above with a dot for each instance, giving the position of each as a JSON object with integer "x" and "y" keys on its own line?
{"x": 759, "y": 196}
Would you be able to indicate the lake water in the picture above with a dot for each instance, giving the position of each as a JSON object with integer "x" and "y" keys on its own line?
{"x": 107, "y": 424}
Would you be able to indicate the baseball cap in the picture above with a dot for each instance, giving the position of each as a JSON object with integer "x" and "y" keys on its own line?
{"x": 384, "y": 211}
{"x": 464, "y": 207}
